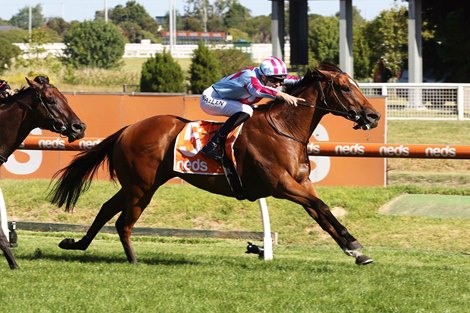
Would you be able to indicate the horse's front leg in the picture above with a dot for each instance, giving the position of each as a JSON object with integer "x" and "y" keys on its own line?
{"x": 328, "y": 221}
{"x": 108, "y": 210}
{"x": 306, "y": 195}
{"x": 5, "y": 247}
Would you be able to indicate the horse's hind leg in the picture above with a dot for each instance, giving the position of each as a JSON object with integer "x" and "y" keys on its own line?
{"x": 135, "y": 205}
{"x": 108, "y": 210}
{"x": 5, "y": 247}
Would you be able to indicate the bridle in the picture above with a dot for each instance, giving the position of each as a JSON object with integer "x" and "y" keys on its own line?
{"x": 345, "y": 112}
{"x": 49, "y": 115}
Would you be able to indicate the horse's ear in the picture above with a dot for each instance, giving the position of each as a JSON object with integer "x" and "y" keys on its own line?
{"x": 316, "y": 73}
{"x": 33, "y": 84}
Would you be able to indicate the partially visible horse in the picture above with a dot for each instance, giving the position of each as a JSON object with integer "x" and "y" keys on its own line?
{"x": 382, "y": 72}
{"x": 271, "y": 154}
{"x": 40, "y": 105}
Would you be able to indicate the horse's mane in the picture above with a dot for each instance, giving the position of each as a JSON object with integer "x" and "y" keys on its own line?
{"x": 12, "y": 98}
{"x": 328, "y": 66}
{"x": 44, "y": 80}
{"x": 310, "y": 77}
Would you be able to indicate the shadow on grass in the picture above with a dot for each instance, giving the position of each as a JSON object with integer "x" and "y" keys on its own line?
{"x": 157, "y": 259}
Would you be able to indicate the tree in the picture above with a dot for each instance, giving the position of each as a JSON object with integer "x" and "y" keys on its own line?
{"x": 161, "y": 73}
{"x": 361, "y": 54}
{"x": 258, "y": 28}
{"x": 59, "y": 25}
{"x": 134, "y": 33}
{"x": 14, "y": 35}
{"x": 135, "y": 21}
{"x": 9, "y": 52}
{"x": 21, "y": 19}
{"x": 232, "y": 60}
{"x": 445, "y": 40}
{"x": 388, "y": 38}
{"x": 323, "y": 39}
{"x": 237, "y": 15}
{"x": 204, "y": 69}
{"x": 94, "y": 44}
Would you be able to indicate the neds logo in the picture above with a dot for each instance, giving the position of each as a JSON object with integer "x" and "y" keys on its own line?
{"x": 88, "y": 144}
{"x": 357, "y": 149}
{"x": 194, "y": 166}
{"x": 391, "y": 151}
{"x": 313, "y": 148}
{"x": 438, "y": 152}
{"x": 51, "y": 144}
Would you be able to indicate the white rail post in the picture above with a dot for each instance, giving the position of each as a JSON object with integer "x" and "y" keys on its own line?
{"x": 3, "y": 216}
{"x": 267, "y": 239}
{"x": 460, "y": 103}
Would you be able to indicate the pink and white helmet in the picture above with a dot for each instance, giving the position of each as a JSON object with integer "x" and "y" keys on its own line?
{"x": 273, "y": 66}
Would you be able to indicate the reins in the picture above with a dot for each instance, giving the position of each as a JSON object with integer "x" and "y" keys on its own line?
{"x": 346, "y": 113}
{"x": 49, "y": 115}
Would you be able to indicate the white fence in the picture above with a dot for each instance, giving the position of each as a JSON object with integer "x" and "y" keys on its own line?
{"x": 404, "y": 101}
{"x": 423, "y": 101}
{"x": 258, "y": 52}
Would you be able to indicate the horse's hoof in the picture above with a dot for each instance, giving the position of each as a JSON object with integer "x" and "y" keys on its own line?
{"x": 363, "y": 260}
{"x": 68, "y": 244}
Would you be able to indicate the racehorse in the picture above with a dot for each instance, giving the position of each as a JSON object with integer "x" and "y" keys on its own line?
{"x": 271, "y": 154}
{"x": 40, "y": 105}
{"x": 382, "y": 72}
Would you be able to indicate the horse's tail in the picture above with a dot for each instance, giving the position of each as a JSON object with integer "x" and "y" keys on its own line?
{"x": 77, "y": 176}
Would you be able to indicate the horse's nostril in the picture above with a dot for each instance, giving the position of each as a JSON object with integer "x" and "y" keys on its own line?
{"x": 373, "y": 116}
{"x": 78, "y": 127}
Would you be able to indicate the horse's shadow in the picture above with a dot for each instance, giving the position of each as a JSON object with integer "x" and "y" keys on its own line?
{"x": 154, "y": 259}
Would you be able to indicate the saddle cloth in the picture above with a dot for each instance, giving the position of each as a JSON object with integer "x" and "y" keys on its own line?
{"x": 190, "y": 141}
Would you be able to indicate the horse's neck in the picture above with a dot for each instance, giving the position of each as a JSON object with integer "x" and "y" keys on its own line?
{"x": 299, "y": 122}
{"x": 14, "y": 127}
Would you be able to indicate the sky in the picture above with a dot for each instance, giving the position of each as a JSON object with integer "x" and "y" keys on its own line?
{"x": 85, "y": 9}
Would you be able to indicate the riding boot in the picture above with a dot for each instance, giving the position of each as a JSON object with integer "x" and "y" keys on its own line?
{"x": 213, "y": 149}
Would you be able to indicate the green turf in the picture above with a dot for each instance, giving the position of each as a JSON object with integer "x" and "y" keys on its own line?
{"x": 441, "y": 206}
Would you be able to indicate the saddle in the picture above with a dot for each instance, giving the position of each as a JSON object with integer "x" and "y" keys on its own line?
{"x": 187, "y": 159}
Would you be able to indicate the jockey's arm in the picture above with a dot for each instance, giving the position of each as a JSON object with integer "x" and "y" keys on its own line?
{"x": 291, "y": 100}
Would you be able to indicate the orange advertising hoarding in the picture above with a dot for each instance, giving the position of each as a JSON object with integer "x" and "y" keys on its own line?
{"x": 106, "y": 113}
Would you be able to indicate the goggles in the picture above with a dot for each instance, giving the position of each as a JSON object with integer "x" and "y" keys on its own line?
{"x": 275, "y": 79}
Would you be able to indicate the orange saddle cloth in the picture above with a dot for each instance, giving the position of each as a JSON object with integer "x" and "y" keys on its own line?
{"x": 190, "y": 141}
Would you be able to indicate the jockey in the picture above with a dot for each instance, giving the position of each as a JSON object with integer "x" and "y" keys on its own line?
{"x": 5, "y": 89}
{"x": 235, "y": 94}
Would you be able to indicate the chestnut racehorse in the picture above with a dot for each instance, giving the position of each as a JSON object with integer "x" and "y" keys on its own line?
{"x": 271, "y": 154}
{"x": 40, "y": 105}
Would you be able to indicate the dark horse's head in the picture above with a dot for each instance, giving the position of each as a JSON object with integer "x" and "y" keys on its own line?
{"x": 51, "y": 110}
{"x": 339, "y": 94}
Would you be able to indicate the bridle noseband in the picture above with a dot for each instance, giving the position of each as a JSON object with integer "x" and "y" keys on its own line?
{"x": 345, "y": 112}
{"x": 49, "y": 115}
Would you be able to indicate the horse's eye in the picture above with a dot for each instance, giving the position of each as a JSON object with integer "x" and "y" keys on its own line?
{"x": 345, "y": 88}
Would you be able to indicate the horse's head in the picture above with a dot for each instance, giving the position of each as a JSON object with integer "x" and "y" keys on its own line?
{"x": 52, "y": 111}
{"x": 341, "y": 95}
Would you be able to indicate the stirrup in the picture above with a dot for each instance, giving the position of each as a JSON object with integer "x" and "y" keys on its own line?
{"x": 213, "y": 151}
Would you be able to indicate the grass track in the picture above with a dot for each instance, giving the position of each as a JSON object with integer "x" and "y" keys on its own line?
{"x": 421, "y": 264}
{"x": 216, "y": 276}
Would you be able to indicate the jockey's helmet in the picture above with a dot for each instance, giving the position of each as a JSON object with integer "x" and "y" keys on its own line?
{"x": 4, "y": 85}
{"x": 273, "y": 66}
